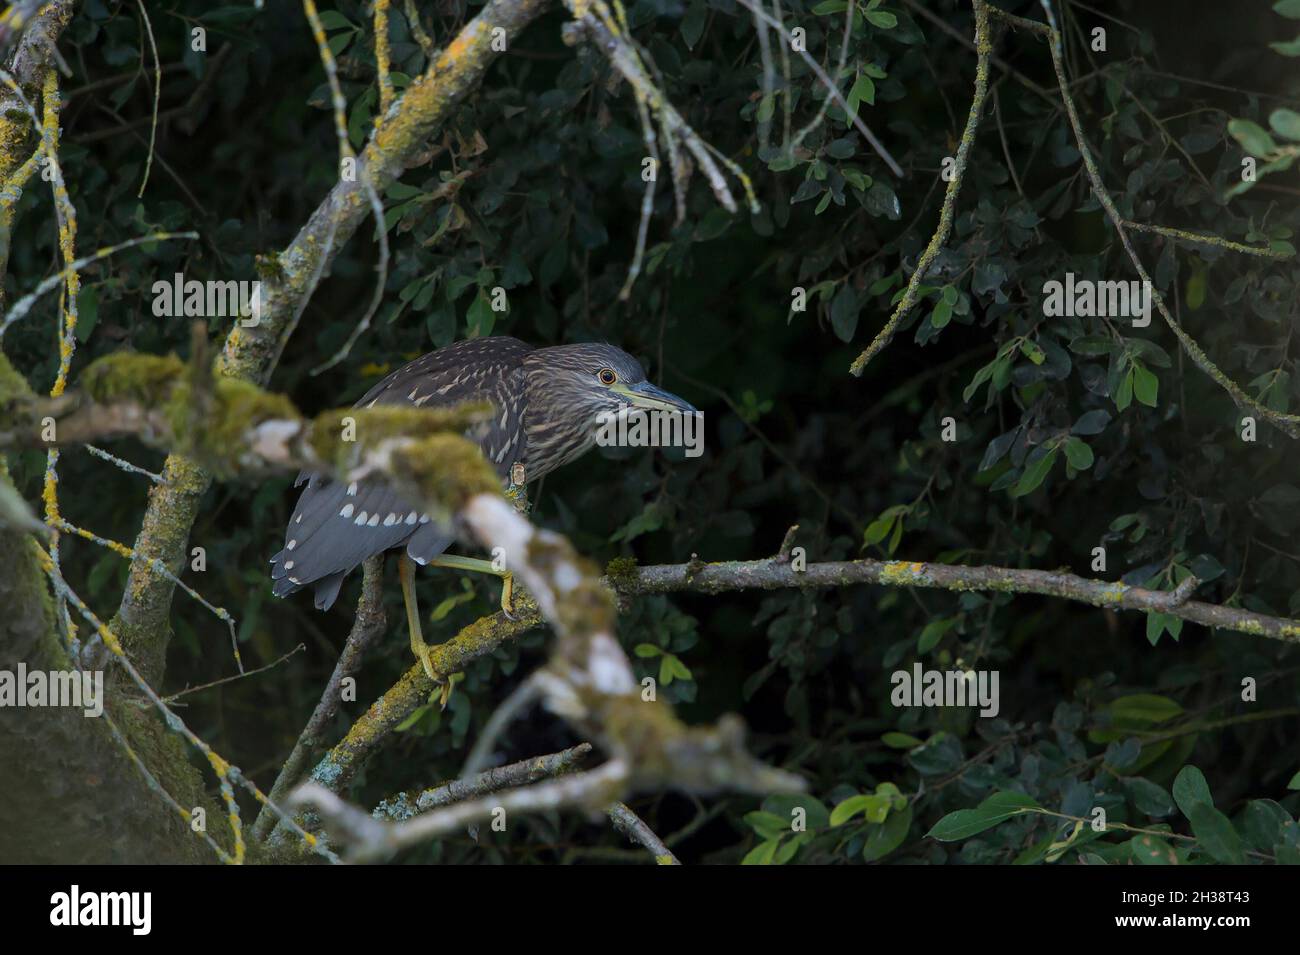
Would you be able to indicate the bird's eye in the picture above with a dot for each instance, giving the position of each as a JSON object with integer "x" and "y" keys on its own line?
{"x": 607, "y": 376}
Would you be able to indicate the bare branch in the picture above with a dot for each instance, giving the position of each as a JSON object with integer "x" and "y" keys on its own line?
{"x": 369, "y": 840}
{"x": 634, "y": 827}
{"x": 367, "y": 627}
{"x": 522, "y": 773}
{"x": 771, "y": 575}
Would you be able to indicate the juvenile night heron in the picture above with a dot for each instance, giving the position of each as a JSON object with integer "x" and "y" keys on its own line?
{"x": 549, "y": 403}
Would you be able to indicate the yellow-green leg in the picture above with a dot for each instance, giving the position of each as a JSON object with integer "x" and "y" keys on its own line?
{"x": 483, "y": 567}
{"x": 406, "y": 574}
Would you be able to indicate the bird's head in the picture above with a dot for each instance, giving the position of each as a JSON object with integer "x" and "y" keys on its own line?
{"x": 573, "y": 388}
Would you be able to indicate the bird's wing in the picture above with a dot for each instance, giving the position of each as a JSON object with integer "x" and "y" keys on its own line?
{"x": 328, "y": 535}
{"x": 335, "y": 527}
{"x": 480, "y": 368}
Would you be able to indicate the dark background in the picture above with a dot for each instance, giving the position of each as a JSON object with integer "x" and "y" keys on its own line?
{"x": 537, "y": 183}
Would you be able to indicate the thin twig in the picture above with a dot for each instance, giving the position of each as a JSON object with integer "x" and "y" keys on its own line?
{"x": 157, "y": 93}
{"x": 910, "y": 297}
{"x": 234, "y": 677}
{"x": 1203, "y": 239}
{"x": 916, "y": 7}
{"x": 830, "y": 85}
{"x": 367, "y": 627}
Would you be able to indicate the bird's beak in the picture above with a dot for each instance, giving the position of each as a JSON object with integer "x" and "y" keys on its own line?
{"x": 646, "y": 396}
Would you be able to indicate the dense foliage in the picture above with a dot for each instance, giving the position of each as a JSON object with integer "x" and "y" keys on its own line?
{"x": 1071, "y": 433}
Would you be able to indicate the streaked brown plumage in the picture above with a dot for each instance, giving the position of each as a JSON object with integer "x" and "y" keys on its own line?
{"x": 547, "y": 401}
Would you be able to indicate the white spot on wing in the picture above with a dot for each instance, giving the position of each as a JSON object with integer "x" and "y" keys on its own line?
{"x": 347, "y": 511}
{"x": 361, "y": 519}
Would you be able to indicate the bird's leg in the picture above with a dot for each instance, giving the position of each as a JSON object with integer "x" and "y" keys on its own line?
{"x": 406, "y": 574}
{"x": 483, "y": 567}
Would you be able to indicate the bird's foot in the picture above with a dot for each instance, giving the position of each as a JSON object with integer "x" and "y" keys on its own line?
{"x": 424, "y": 653}
{"x": 444, "y": 683}
{"x": 508, "y": 596}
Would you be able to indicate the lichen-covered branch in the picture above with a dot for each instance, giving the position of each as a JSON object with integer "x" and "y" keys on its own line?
{"x": 771, "y": 575}
{"x": 522, "y": 773}
{"x": 590, "y": 684}
{"x": 38, "y": 28}
{"x": 251, "y": 431}
{"x": 589, "y": 681}
{"x": 1201, "y": 238}
{"x": 389, "y": 828}
{"x": 249, "y": 353}
{"x": 340, "y": 765}
{"x": 31, "y": 59}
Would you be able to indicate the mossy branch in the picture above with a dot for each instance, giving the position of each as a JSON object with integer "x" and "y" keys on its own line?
{"x": 251, "y": 431}
{"x": 1201, "y": 238}
{"x": 625, "y": 579}
{"x": 287, "y": 279}
{"x": 339, "y": 766}
{"x": 589, "y": 683}
{"x": 104, "y": 811}
{"x": 772, "y": 575}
